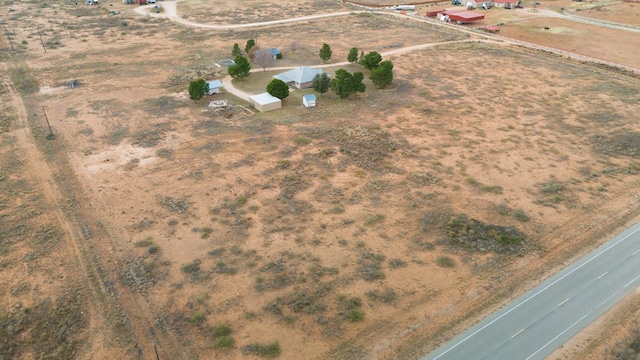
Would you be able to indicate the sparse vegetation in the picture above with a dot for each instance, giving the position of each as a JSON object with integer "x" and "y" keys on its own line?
{"x": 446, "y": 262}
{"x": 284, "y": 210}
{"x": 386, "y": 296}
{"x": 476, "y": 235}
{"x": 270, "y": 350}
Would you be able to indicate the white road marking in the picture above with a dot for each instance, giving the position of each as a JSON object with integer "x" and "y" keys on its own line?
{"x": 554, "y": 339}
{"x": 562, "y": 303}
{"x": 637, "y": 251}
{"x": 536, "y": 294}
{"x": 516, "y": 334}
{"x": 601, "y": 276}
{"x": 632, "y": 281}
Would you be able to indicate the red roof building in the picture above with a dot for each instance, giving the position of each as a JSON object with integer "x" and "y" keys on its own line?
{"x": 465, "y": 17}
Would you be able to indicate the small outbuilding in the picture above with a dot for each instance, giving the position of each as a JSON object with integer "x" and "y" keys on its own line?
{"x": 214, "y": 86}
{"x": 275, "y": 53}
{"x": 265, "y": 102}
{"x": 309, "y": 100}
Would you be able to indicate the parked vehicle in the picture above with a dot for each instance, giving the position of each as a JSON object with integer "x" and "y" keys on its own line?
{"x": 518, "y": 7}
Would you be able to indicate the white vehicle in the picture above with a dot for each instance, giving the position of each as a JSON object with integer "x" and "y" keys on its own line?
{"x": 151, "y": 1}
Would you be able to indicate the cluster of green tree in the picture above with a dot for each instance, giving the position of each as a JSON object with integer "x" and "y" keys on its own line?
{"x": 345, "y": 83}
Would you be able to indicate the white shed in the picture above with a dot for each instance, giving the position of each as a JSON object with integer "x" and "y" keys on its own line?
{"x": 214, "y": 86}
{"x": 265, "y": 102}
{"x": 309, "y": 100}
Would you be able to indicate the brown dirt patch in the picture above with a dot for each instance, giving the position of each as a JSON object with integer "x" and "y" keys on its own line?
{"x": 623, "y": 12}
{"x": 584, "y": 39}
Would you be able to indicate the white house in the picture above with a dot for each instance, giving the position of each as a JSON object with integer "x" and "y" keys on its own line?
{"x": 301, "y": 77}
{"x": 309, "y": 100}
{"x": 214, "y": 86}
{"x": 265, "y": 102}
{"x": 506, "y": 3}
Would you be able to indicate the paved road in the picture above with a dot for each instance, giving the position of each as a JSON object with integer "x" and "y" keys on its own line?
{"x": 543, "y": 319}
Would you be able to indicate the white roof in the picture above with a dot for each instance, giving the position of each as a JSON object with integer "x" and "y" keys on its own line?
{"x": 299, "y": 75}
{"x": 309, "y": 97}
{"x": 214, "y": 84}
{"x": 264, "y": 99}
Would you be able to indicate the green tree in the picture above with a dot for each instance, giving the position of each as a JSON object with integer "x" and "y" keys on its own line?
{"x": 353, "y": 55}
{"x": 382, "y": 76}
{"x": 325, "y": 52}
{"x": 250, "y": 43}
{"x": 345, "y": 83}
{"x": 371, "y": 60}
{"x": 236, "y": 50}
{"x": 321, "y": 83}
{"x": 278, "y": 88}
{"x": 240, "y": 69}
{"x": 198, "y": 89}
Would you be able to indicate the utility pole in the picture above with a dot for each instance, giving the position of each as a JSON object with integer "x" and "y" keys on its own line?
{"x": 42, "y": 41}
{"x": 50, "y": 136}
{"x": 10, "y": 42}
{"x": 155, "y": 349}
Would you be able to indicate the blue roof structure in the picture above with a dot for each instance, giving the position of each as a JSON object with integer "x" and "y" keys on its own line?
{"x": 274, "y": 52}
{"x": 214, "y": 84}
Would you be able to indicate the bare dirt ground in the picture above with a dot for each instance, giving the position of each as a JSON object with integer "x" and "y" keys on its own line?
{"x": 624, "y": 12}
{"x": 340, "y": 232}
{"x": 584, "y": 39}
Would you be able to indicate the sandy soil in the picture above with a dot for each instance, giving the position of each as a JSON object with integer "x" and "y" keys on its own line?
{"x": 623, "y": 12}
{"x": 324, "y": 230}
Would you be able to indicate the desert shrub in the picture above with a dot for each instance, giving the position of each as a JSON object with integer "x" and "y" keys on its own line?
{"x": 270, "y": 350}
{"x": 192, "y": 267}
{"x": 355, "y": 315}
{"x": 221, "y": 330}
{"x": 503, "y": 209}
{"x": 197, "y": 317}
{"x": 369, "y": 266}
{"x": 224, "y": 342}
{"x": 397, "y": 263}
{"x": 301, "y": 141}
{"x": 174, "y": 205}
{"x": 386, "y": 296}
{"x": 521, "y": 215}
{"x": 445, "y": 261}
{"x": 475, "y": 235}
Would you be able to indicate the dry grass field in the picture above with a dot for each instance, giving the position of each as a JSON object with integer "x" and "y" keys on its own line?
{"x": 623, "y": 12}
{"x": 373, "y": 227}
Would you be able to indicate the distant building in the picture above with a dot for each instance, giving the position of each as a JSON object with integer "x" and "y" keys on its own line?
{"x": 462, "y": 17}
{"x": 505, "y": 3}
{"x": 265, "y": 102}
{"x": 275, "y": 53}
{"x": 214, "y": 86}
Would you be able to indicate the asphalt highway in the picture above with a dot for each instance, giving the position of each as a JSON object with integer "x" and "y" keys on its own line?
{"x": 541, "y": 320}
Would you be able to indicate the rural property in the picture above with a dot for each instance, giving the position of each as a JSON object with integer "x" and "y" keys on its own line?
{"x": 138, "y": 221}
